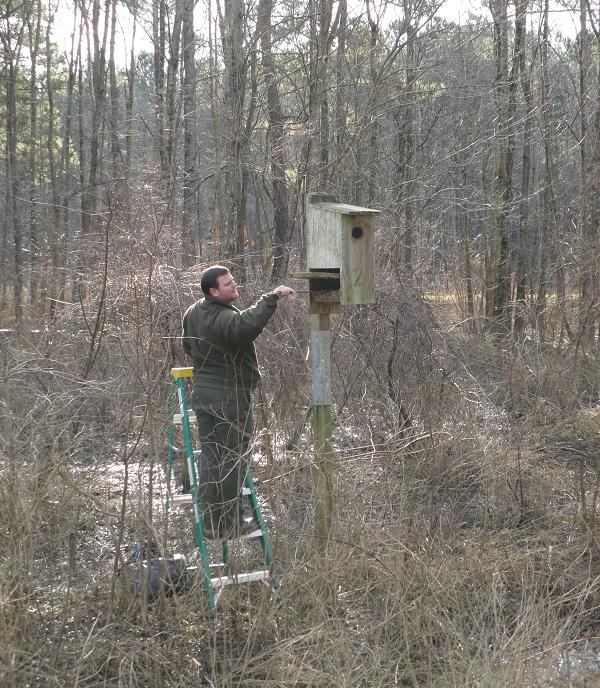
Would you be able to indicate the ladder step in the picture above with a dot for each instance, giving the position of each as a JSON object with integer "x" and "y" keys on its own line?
{"x": 249, "y": 536}
{"x": 250, "y": 577}
{"x": 182, "y": 500}
{"x": 181, "y": 450}
{"x": 191, "y": 418}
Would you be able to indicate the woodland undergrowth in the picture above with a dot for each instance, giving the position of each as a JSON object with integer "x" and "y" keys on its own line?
{"x": 465, "y": 550}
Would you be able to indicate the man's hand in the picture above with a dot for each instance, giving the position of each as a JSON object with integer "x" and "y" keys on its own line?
{"x": 283, "y": 292}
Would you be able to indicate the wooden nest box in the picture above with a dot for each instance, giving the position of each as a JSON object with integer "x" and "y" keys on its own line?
{"x": 340, "y": 251}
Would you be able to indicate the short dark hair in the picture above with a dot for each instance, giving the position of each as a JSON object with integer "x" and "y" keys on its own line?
{"x": 209, "y": 278}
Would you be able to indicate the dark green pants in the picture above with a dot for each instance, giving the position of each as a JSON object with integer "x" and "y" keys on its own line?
{"x": 225, "y": 426}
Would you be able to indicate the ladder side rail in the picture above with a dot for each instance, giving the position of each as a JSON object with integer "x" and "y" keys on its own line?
{"x": 264, "y": 537}
{"x": 189, "y": 447}
{"x": 170, "y": 446}
{"x": 198, "y": 517}
{"x": 256, "y": 513}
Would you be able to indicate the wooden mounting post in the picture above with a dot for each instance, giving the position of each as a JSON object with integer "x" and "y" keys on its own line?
{"x": 340, "y": 272}
{"x": 322, "y": 426}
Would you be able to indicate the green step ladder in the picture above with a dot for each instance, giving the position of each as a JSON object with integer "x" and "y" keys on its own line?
{"x": 180, "y": 415}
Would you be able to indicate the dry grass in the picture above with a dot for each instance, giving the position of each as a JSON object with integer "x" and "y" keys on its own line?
{"x": 462, "y": 556}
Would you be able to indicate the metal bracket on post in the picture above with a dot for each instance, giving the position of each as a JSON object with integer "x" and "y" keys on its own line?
{"x": 320, "y": 347}
{"x": 322, "y": 427}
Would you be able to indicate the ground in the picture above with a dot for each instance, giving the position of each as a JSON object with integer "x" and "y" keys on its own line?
{"x": 465, "y": 549}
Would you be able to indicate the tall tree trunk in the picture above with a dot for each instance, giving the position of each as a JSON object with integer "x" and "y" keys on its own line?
{"x": 34, "y": 242}
{"x": 549, "y": 215}
{"x": 115, "y": 148}
{"x": 90, "y": 220}
{"x": 13, "y": 180}
{"x": 12, "y": 41}
{"x": 275, "y": 139}
{"x": 462, "y": 193}
{"x": 524, "y": 242}
{"x": 409, "y": 136}
{"x": 189, "y": 233}
{"x": 218, "y": 205}
{"x": 465, "y": 233}
{"x": 341, "y": 100}
{"x": 234, "y": 99}
{"x": 247, "y": 136}
{"x": 83, "y": 163}
{"x": 589, "y": 288}
{"x": 98, "y": 98}
{"x": 504, "y": 97}
{"x": 158, "y": 40}
{"x": 171, "y": 118}
{"x": 65, "y": 173}
{"x": 588, "y": 305}
{"x": 584, "y": 67}
{"x": 54, "y": 281}
{"x": 129, "y": 117}
{"x": 325, "y": 14}
{"x": 130, "y": 73}
{"x": 374, "y": 104}
{"x": 317, "y": 144}
{"x": 4, "y": 279}
{"x": 53, "y": 254}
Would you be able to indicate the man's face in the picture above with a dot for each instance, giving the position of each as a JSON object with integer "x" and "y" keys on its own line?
{"x": 226, "y": 290}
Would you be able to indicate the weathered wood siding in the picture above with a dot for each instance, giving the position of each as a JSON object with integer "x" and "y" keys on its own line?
{"x": 324, "y": 243}
{"x": 358, "y": 260}
{"x": 340, "y": 237}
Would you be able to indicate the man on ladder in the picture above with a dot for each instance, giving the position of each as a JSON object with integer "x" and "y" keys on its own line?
{"x": 220, "y": 339}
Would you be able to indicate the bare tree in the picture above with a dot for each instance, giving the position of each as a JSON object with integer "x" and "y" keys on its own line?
{"x": 548, "y": 225}
{"x": 12, "y": 33}
{"x": 115, "y": 148}
{"x": 588, "y": 305}
{"x": 54, "y": 282}
{"x": 189, "y": 233}
{"x": 158, "y": 40}
{"x": 409, "y": 136}
{"x": 34, "y": 25}
{"x": 232, "y": 36}
{"x": 504, "y": 100}
{"x": 275, "y": 139}
{"x": 524, "y": 240}
{"x": 171, "y": 100}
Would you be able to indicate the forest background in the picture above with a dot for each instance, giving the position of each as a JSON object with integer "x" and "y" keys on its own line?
{"x": 467, "y": 406}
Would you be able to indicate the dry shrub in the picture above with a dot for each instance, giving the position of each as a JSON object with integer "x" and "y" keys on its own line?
{"x": 458, "y": 557}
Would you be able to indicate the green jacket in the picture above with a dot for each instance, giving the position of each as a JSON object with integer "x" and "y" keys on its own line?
{"x": 220, "y": 339}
